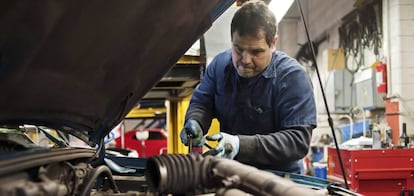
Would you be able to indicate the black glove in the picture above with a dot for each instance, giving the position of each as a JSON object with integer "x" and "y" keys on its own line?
{"x": 193, "y": 130}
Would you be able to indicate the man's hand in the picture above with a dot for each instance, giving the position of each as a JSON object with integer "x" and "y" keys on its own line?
{"x": 192, "y": 129}
{"x": 228, "y": 146}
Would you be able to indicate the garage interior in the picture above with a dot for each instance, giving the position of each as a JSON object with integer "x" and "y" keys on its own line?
{"x": 358, "y": 104}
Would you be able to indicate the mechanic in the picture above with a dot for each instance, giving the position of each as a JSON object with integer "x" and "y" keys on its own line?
{"x": 262, "y": 98}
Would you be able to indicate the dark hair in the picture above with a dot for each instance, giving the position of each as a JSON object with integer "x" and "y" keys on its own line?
{"x": 253, "y": 16}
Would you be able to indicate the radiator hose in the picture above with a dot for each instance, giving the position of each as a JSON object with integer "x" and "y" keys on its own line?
{"x": 182, "y": 173}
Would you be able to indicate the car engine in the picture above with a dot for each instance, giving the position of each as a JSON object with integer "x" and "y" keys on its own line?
{"x": 27, "y": 169}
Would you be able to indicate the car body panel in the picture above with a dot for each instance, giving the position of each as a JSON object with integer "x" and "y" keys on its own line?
{"x": 79, "y": 67}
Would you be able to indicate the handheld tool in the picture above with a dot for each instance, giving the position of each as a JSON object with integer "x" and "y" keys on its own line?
{"x": 192, "y": 148}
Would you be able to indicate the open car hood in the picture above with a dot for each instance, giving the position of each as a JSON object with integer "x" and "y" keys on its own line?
{"x": 80, "y": 66}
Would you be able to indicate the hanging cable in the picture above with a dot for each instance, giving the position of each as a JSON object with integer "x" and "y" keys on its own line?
{"x": 323, "y": 93}
{"x": 360, "y": 30}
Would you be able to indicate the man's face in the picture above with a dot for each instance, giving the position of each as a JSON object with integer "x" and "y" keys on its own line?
{"x": 251, "y": 54}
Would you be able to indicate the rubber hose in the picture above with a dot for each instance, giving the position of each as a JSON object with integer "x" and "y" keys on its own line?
{"x": 174, "y": 173}
{"x": 96, "y": 173}
{"x": 182, "y": 173}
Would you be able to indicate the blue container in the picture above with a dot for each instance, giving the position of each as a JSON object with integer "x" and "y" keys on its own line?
{"x": 320, "y": 170}
{"x": 317, "y": 153}
{"x": 357, "y": 130}
{"x": 311, "y": 181}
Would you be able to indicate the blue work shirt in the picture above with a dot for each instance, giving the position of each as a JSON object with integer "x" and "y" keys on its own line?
{"x": 273, "y": 113}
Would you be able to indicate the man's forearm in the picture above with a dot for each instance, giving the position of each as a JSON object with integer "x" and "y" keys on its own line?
{"x": 286, "y": 145}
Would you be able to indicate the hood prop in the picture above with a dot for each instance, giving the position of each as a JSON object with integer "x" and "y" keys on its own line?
{"x": 330, "y": 121}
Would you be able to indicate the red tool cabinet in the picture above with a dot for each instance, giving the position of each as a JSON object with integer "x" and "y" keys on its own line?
{"x": 374, "y": 171}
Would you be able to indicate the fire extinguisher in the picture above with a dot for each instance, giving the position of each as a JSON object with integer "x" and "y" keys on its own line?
{"x": 381, "y": 77}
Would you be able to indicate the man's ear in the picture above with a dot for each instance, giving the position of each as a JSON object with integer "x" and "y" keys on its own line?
{"x": 273, "y": 45}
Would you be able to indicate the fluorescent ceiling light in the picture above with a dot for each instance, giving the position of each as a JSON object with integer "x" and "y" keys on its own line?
{"x": 280, "y": 7}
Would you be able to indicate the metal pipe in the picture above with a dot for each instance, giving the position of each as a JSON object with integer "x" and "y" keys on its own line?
{"x": 255, "y": 181}
{"x": 122, "y": 127}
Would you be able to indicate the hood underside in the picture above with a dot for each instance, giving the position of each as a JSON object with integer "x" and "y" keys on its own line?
{"x": 82, "y": 65}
